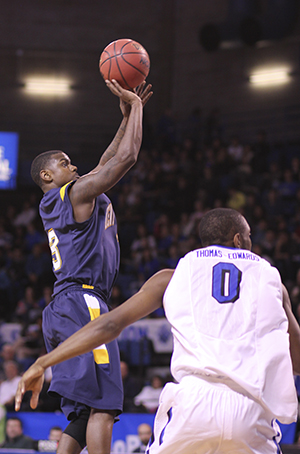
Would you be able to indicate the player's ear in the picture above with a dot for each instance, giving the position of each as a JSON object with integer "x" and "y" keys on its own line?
{"x": 237, "y": 241}
{"x": 46, "y": 176}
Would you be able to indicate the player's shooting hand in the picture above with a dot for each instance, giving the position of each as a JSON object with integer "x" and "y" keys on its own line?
{"x": 32, "y": 380}
{"x": 143, "y": 91}
{"x": 127, "y": 96}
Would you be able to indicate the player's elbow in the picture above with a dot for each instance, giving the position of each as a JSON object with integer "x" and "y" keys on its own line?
{"x": 127, "y": 158}
{"x": 112, "y": 330}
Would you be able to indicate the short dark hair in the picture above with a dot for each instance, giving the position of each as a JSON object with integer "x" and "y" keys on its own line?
{"x": 39, "y": 163}
{"x": 15, "y": 418}
{"x": 219, "y": 226}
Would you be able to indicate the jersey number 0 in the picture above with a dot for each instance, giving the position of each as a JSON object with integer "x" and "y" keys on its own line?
{"x": 226, "y": 282}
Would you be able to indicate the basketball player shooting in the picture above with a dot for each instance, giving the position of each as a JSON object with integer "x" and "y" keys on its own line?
{"x": 82, "y": 231}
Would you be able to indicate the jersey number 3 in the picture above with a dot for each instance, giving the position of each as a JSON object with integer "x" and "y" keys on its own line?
{"x": 226, "y": 282}
{"x": 53, "y": 242}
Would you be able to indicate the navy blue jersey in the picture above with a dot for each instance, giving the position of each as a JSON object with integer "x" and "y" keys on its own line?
{"x": 83, "y": 253}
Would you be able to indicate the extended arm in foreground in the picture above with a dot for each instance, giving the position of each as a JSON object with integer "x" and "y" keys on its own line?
{"x": 100, "y": 331}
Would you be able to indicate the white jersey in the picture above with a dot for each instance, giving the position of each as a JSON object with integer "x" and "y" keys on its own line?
{"x": 225, "y": 309}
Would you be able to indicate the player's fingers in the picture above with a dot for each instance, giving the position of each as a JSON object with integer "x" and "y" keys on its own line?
{"x": 146, "y": 99}
{"x": 146, "y": 92}
{"x": 19, "y": 396}
{"x": 34, "y": 399}
{"x": 114, "y": 87}
{"x": 139, "y": 89}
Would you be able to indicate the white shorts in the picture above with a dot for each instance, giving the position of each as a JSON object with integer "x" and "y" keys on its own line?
{"x": 201, "y": 417}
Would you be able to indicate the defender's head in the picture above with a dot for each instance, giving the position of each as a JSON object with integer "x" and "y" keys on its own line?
{"x": 225, "y": 227}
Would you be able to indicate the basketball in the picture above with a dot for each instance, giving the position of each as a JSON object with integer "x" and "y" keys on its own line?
{"x": 126, "y": 61}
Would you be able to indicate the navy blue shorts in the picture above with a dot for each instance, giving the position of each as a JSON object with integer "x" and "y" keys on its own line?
{"x": 91, "y": 380}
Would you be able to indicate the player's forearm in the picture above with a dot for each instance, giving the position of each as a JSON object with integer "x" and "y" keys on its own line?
{"x": 130, "y": 145}
{"x": 83, "y": 341}
{"x": 126, "y": 135}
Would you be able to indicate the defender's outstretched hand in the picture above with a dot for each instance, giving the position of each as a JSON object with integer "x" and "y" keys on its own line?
{"x": 32, "y": 380}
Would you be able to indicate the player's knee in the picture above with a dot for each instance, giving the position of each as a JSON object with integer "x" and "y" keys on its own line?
{"x": 77, "y": 428}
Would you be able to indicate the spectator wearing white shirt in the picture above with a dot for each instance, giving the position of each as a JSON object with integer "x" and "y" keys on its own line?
{"x": 9, "y": 386}
{"x": 149, "y": 395}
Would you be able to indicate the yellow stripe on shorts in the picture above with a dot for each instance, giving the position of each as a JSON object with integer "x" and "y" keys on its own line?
{"x": 100, "y": 353}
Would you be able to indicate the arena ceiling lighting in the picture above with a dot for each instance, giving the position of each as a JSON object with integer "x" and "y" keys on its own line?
{"x": 47, "y": 86}
{"x": 272, "y": 76}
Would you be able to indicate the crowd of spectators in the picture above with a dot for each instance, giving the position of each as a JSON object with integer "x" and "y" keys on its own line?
{"x": 159, "y": 204}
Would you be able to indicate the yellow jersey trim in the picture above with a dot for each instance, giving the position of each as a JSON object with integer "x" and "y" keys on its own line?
{"x": 63, "y": 190}
{"x": 88, "y": 286}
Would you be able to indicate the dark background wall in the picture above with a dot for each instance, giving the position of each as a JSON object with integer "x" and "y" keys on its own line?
{"x": 65, "y": 38}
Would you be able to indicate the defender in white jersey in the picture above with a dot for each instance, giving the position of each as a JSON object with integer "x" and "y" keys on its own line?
{"x": 232, "y": 360}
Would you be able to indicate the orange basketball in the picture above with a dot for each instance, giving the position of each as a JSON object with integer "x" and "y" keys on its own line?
{"x": 126, "y": 61}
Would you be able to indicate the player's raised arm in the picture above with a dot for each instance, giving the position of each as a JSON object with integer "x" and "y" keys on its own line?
{"x": 145, "y": 93}
{"x": 294, "y": 331}
{"x": 123, "y": 152}
{"x": 117, "y": 160}
{"x": 100, "y": 331}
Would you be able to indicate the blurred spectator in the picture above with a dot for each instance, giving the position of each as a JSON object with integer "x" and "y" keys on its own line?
{"x": 116, "y": 297}
{"x": 173, "y": 256}
{"x": 148, "y": 398}
{"x": 15, "y": 438}
{"x": 33, "y": 236}
{"x": 27, "y": 215}
{"x": 17, "y": 273}
{"x": 268, "y": 242}
{"x": 7, "y": 353}
{"x": 142, "y": 241}
{"x": 236, "y": 198}
{"x": 132, "y": 387}
{"x": 272, "y": 205}
{"x": 9, "y": 386}
{"x": 55, "y": 433}
{"x": 6, "y": 296}
{"x": 235, "y": 149}
{"x": 2, "y": 424}
{"x": 30, "y": 345}
{"x": 282, "y": 255}
{"x": 144, "y": 433}
{"x": 287, "y": 190}
{"x": 149, "y": 264}
{"x": 191, "y": 224}
{"x": 46, "y": 296}
{"x": 38, "y": 265}
{"x": 28, "y": 310}
{"x": 6, "y": 238}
